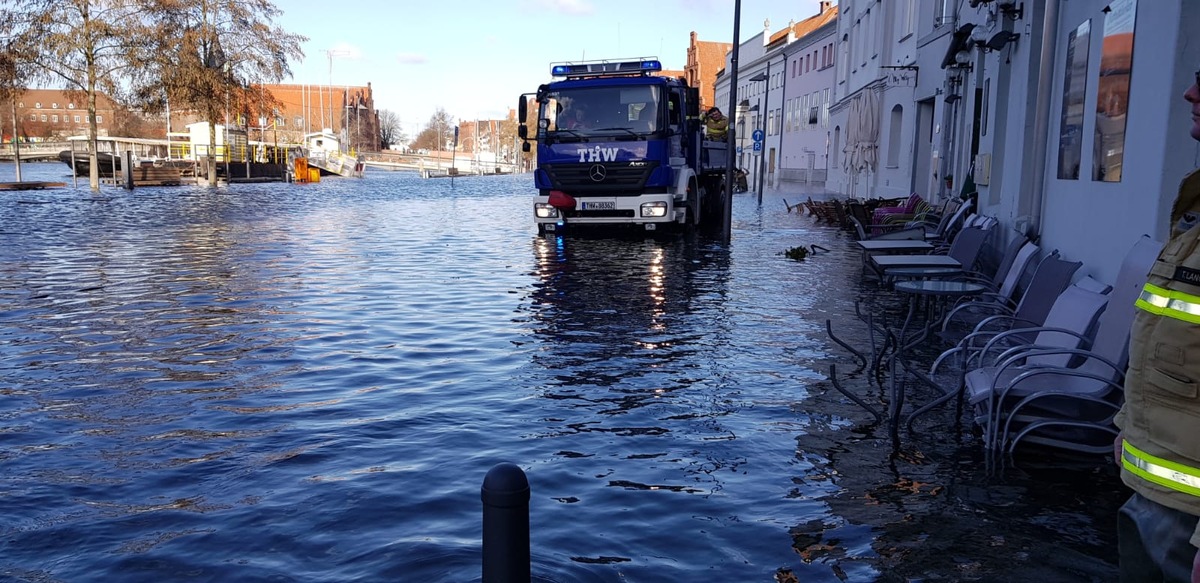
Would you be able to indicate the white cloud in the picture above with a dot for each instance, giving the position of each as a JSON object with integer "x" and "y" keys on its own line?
{"x": 411, "y": 59}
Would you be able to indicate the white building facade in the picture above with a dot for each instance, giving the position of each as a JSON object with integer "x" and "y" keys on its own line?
{"x": 1067, "y": 117}
{"x": 806, "y": 143}
{"x": 761, "y": 96}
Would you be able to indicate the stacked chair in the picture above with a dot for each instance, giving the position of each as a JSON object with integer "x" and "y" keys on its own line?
{"x": 1022, "y": 399}
{"x": 988, "y": 316}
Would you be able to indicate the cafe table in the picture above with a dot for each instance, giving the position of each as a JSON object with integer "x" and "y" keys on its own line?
{"x": 937, "y": 294}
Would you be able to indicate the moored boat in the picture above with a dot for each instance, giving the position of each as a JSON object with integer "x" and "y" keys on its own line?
{"x": 82, "y": 162}
{"x": 324, "y": 152}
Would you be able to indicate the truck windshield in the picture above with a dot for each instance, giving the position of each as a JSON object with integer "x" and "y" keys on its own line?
{"x": 628, "y": 111}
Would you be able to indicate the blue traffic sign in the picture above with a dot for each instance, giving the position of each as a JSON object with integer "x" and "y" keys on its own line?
{"x": 757, "y": 147}
{"x": 757, "y": 135}
{"x": 739, "y": 149}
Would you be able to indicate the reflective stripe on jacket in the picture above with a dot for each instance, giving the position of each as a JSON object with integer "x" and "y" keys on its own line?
{"x": 1161, "y": 416}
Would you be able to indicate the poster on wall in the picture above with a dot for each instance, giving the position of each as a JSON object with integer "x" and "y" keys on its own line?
{"x": 1070, "y": 134}
{"x": 1112, "y": 97}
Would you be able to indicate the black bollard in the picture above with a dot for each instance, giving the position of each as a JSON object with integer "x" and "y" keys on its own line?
{"x": 505, "y": 495}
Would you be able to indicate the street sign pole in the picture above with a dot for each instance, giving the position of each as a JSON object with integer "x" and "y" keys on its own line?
{"x": 767, "y": 106}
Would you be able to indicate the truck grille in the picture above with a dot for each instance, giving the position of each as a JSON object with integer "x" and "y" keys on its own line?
{"x": 616, "y": 178}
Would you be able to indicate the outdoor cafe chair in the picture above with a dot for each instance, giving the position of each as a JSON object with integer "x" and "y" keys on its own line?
{"x": 1003, "y": 283}
{"x": 1051, "y": 276}
{"x": 1068, "y": 326}
{"x": 1022, "y": 398}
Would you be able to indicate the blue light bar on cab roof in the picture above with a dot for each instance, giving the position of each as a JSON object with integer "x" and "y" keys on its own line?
{"x": 604, "y": 68}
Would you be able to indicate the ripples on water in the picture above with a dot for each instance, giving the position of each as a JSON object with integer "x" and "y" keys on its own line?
{"x": 309, "y": 382}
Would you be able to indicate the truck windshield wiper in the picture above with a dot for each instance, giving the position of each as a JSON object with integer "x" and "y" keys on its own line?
{"x": 567, "y": 131}
{"x": 626, "y": 130}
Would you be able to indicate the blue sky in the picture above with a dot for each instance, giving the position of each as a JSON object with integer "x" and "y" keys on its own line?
{"x": 474, "y": 57}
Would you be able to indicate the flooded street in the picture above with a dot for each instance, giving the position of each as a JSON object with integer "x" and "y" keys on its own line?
{"x": 277, "y": 382}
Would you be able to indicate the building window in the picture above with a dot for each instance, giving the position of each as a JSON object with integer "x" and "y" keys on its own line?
{"x": 33, "y": 117}
{"x": 77, "y": 119}
{"x": 54, "y": 118}
{"x": 21, "y": 104}
{"x": 54, "y": 105}
{"x": 893, "y": 155}
{"x": 99, "y": 119}
{"x": 70, "y": 106}
{"x": 825, "y": 108}
{"x": 299, "y": 122}
{"x": 43, "y": 117}
{"x": 910, "y": 17}
{"x": 37, "y": 105}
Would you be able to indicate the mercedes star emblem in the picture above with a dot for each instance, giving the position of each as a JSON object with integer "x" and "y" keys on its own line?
{"x": 598, "y": 173}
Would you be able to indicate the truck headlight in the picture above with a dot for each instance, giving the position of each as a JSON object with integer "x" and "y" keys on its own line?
{"x": 544, "y": 211}
{"x": 654, "y": 209}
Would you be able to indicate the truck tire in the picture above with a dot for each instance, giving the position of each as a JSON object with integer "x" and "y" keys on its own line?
{"x": 694, "y": 206}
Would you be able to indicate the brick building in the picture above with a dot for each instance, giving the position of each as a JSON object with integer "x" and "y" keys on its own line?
{"x": 54, "y": 114}
{"x": 704, "y": 60}
{"x": 307, "y": 108}
{"x": 301, "y": 109}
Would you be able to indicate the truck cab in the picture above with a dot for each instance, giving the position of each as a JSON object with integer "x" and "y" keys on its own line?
{"x": 618, "y": 146}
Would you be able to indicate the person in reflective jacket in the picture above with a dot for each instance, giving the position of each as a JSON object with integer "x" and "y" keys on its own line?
{"x": 716, "y": 125}
{"x": 1159, "y": 446}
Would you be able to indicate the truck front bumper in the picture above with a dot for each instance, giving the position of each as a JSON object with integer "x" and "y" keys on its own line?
{"x": 649, "y": 210}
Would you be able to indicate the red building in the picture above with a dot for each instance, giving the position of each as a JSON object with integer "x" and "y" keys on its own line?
{"x": 55, "y": 114}
{"x": 303, "y": 109}
{"x": 704, "y": 60}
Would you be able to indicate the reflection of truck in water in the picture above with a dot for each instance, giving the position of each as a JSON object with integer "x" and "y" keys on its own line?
{"x": 617, "y": 145}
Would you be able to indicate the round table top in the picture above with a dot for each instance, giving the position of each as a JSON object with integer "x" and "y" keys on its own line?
{"x": 939, "y": 287}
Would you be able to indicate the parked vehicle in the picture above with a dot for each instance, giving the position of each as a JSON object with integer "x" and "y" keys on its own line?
{"x": 618, "y": 146}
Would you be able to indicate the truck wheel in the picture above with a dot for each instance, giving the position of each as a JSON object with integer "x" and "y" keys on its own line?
{"x": 692, "y": 215}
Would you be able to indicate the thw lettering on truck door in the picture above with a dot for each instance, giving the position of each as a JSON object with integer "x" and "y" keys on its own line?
{"x": 597, "y": 154}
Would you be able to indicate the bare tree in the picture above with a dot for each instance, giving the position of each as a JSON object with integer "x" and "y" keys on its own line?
{"x": 209, "y": 53}
{"x": 84, "y": 44}
{"x": 14, "y": 71}
{"x": 390, "y": 130}
{"x": 437, "y": 132}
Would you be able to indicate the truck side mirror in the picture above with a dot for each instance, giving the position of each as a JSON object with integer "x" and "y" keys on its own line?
{"x": 522, "y": 130}
{"x": 522, "y": 110}
{"x": 524, "y": 146}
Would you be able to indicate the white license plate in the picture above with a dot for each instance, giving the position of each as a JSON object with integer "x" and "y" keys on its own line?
{"x": 607, "y": 205}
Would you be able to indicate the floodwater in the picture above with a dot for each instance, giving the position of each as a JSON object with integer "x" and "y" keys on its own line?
{"x": 279, "y": 382}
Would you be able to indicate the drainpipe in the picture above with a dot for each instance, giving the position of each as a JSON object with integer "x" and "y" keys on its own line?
{"x": 1042, "y": 117}
{"x": 782, "y": 124}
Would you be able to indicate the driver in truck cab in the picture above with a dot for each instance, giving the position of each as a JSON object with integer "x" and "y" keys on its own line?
{"x": 572, "y": 118}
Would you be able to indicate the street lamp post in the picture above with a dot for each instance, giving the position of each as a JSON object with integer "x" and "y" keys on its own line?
{"x": 767, "y": 105}
{"x": 727, "y": 206}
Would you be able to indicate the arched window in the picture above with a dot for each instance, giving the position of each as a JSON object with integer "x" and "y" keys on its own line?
{"x": 893, "y": 156}
{"x": 835, "y": 152}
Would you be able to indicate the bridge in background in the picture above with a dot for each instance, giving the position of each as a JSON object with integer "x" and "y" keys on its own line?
{"x": 435, "y": 164}
{"x": 34, "y": 151}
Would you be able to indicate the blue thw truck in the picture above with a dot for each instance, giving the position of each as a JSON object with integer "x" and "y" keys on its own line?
{"x": 620, "y": 146}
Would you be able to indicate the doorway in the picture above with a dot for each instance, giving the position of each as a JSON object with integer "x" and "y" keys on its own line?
{"x": 922, "y": 171}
